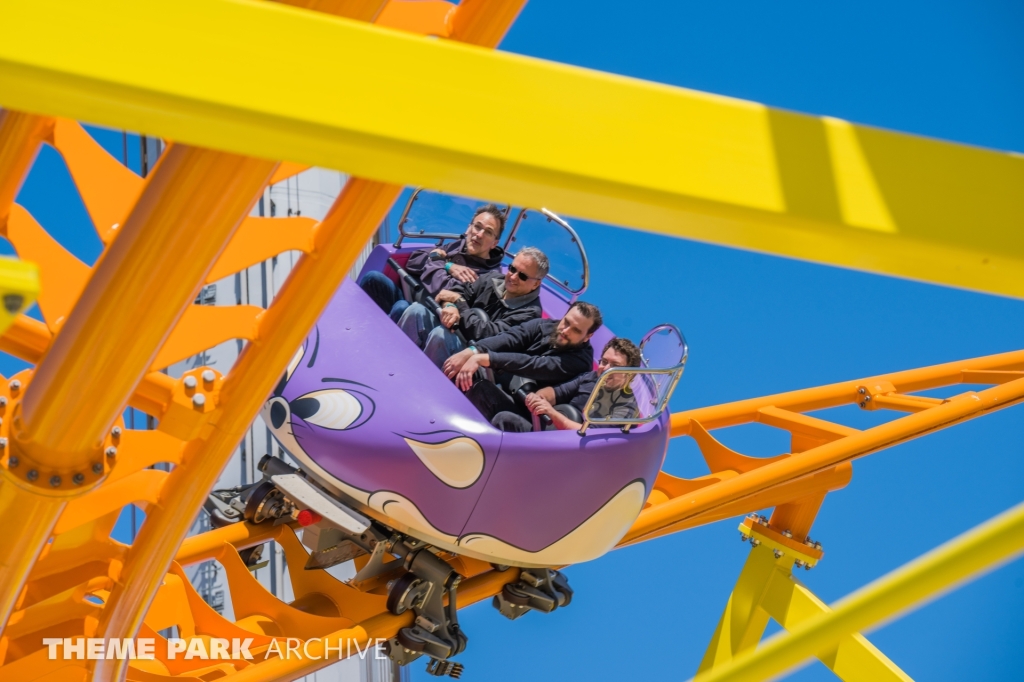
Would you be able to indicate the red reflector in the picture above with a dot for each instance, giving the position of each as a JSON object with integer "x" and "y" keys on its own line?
{"x": 308, "y": 518}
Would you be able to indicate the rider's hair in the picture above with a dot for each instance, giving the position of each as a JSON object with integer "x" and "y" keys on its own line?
{"x": 590, "y": 311}
{"x": 495, "y": 212}
{"x": 543, "y": 266}
{"x": 626, "y": 348}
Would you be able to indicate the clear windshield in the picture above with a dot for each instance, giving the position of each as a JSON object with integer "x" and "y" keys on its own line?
{"x": 560, "y": 244}
{"x": 434, "y": 216}
{"x": 630, "y": 396}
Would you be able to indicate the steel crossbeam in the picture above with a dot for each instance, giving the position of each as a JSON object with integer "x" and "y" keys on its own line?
{"x": 589, "y": 144}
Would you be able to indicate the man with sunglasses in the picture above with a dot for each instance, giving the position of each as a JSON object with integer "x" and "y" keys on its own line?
{"x": 449, "y": 266}
{"x": 484, "y": 308}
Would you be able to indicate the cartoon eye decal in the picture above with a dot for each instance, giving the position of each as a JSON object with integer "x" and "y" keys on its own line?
{"x": 334, "y": 408}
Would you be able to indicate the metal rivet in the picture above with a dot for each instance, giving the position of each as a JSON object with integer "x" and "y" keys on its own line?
{"x": 15, "y": 385}
{"x": 12, "y": 462}
{"x": 867, "y": 399}
{"x": 209, "y": 376}
{"x": 3, "y": 443}
{"x": 111, "y": 451}
{"x": 32, "y": 475}
{"x": 3, "y": 401}
{"x": 97, "y": 468}
{"x": 78, "y": 479}
{"x": 198, "y": 400}
{"x": 55, "y": 481}
{"x": 190, "y": 382}
{"x": 116, "y": 432}
{"x": 778, "y": 554}
{"x": 861, "y": 391}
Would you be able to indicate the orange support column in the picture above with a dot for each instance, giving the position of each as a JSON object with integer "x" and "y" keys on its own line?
{"x": 20, "y": 137}
{"x": 141, "y": 286}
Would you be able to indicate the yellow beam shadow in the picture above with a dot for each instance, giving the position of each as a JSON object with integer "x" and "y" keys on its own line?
{"x": 961, "y": 559}
{"x": 589, "y": 144}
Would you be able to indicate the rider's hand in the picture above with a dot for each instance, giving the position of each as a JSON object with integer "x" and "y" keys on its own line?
{"x": 447, "y": 296}
{"x": 538, "y": 405}
{"x": 453, "y": 364}
{"x": 464, "y": 379}
{"x": 462, "y": 273}
{"x": 450, "y": 316}
{"x": 440, "y": 253}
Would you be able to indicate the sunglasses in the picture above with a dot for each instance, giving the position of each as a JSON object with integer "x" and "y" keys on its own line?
{"x": 520, "y": 274}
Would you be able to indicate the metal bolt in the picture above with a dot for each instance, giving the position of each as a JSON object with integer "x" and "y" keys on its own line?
{"x": 861, "y": 391}
{"x": 97, "y": 468}
{"x": 15, "y": 385}
{"x": 190, "y": 382}
{"x": 807, "y": 567}
{"x": 778, "y": 554}
{"x": 867, "y": 399}
{"x": 798, "y": 563}
{"x": 116, "y": 432}
{"x": 32, "y": 475}
{"x": 817, "y": 545}
{"x": 3, "y": 443}
{"x": 787, "y": 533}
{"x": 862, "y": 404}
{"x": 198, "y": 400}
{"x": 12, "y": 462}
{"x": 111, "y": 451}
{"x": 55, "y": 481}
{"x": 743, "y": 538}
{"x": 209, "y": 376}
{"x": 78, "y": 479}
{"x": 3, "y": 401}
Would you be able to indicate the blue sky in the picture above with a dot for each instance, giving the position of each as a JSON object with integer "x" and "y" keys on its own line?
{"x": 759, "y": 324}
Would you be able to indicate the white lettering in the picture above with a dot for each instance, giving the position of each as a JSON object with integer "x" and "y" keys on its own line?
{"x": 74, "y": 646}
{"x": 327, "y": 648}
{"x": 175, "y": 646}
{"x": 119, "y": 649}
{"x": 379, "y": 653}
{"x": 305, "y": 650}
{"x": 291, "y": 648}
{"x": 219, "y": 648}
{"x": 275, "y": 647}
{"x": 95, "y": 649}
{"x": 361, "y": 652}
{"x": 147, "y": 649}
{"x": 241, "y": 649}
{"x": 196, "y": 649}
{"x": 51, "y": 646}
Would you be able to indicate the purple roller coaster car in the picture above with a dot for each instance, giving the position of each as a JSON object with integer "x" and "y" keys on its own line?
{"x": 366, "y": 413}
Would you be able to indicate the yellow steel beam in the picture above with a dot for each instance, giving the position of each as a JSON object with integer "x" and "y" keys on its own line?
{"x": 960, "y": 559}
{"x": 767, "y": 589}
{"x": 604, "y": 147}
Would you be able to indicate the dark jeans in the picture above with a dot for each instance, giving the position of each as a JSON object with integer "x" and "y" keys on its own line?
{"x": 510, "y": 421}
{"x": 384, "y": 293}
{"x": 490, "y": 400}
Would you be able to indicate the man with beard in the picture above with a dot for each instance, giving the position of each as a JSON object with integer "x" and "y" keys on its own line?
{"x": 449, "y": 266}
{"x": 487, "y": 307}
{"x": 549, "y": 352}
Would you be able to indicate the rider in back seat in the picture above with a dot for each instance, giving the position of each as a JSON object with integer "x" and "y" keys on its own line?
{"x": 614, "y": 400}
{"x": 449, "y": 266}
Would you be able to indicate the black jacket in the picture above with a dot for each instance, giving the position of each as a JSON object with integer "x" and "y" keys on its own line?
{"x": 526, "y": 351}
{"x": 432, "y": 273}
{"x": 487, "y": 294}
